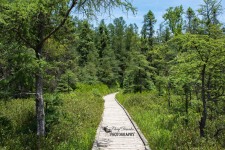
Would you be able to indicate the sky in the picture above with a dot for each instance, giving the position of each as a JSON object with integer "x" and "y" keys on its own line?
{"x": 158, "y": 7}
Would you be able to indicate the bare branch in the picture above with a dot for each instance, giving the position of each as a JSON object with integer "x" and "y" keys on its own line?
{"x": 83, "y": 2}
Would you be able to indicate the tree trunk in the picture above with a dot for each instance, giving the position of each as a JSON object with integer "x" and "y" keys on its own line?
{"x": 40, "y": 105}
{"x": 40, "y": 113}
{"x": 202, "y": 123}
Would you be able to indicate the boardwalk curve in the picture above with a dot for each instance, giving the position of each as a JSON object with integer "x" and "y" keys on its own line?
{"x": 117, "y": 131}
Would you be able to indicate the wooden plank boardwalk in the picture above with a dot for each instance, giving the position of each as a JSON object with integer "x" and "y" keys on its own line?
{"x": 117, "y": 131}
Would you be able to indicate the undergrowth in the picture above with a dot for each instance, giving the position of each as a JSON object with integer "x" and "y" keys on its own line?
{"x": 166, "y": 127}
{"x": 71, "y": 120}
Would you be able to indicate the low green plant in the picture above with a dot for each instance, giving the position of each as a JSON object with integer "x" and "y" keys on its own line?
{"x": 71, "y": 120}
{"x": 166, "y": 127}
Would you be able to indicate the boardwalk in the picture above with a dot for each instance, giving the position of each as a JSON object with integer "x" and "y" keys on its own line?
{"x": 117, "y": 131}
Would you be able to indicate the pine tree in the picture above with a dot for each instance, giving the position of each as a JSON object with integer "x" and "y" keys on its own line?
{"x": 190, "y": 15}
{"x": 137, "y": 75}
{"x": 88, "y": 54}
{"x": 117, "y": 30}
{"x": 108, "y": 65}
{"x": 148, "y": 31}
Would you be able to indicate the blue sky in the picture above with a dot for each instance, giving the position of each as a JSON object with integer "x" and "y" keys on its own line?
{"x": 158, "y": 7}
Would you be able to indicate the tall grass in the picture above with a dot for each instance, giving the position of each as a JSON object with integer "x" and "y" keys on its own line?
{"x": 71, "y": 120}
{"x": 164, "y": 127}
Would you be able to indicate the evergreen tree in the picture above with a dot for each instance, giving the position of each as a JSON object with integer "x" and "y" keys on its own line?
{"x": 108, "y": 65}
{"x": 148, "y": 31}
{"x": 118, "y": 45}
{"x": 87, "y": 54}
{"x": 137, "y": 74}
{"x": 190, "y": 15}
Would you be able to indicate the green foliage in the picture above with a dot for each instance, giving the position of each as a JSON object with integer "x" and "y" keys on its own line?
{"x": 19, "y": 67}
{"x": 191, "y": 21}
{"x": 52, "y": 112}
{"x": 17, "y": 124}
{"x": 173, "y": 16}
{"x": 71, "y": 119}
{"x": 148, "y": 31}
{"x": 165, "y": 128}
{"x": 67, "y": 82}
{"x": 137, "y": 74}
{"x": 107, "y": 61}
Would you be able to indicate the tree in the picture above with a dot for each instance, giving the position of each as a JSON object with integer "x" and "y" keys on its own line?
{"x": 102, "y": 38}
{"x": 118, "y": 45}
{"x": 196, "y": 23}
{"x": 137, "y": 74}
{"x": 108, "y": 65}
{"x": 201, "y": 59}
{"x": 86, "y": 44}
{"x": 148, "y": 28}
{"x": 190, "y": 14}
{"x": 173, "y": 16}
{"x": 210, "y": 11}
{"x": 32, "y": 23}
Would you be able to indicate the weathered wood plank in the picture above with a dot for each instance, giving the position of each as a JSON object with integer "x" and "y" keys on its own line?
{"x": 117, "y": 131}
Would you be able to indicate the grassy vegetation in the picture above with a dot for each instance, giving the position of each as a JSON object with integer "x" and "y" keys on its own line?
{"x": 71, "y": 120}
{"x": 166, "y": 128}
